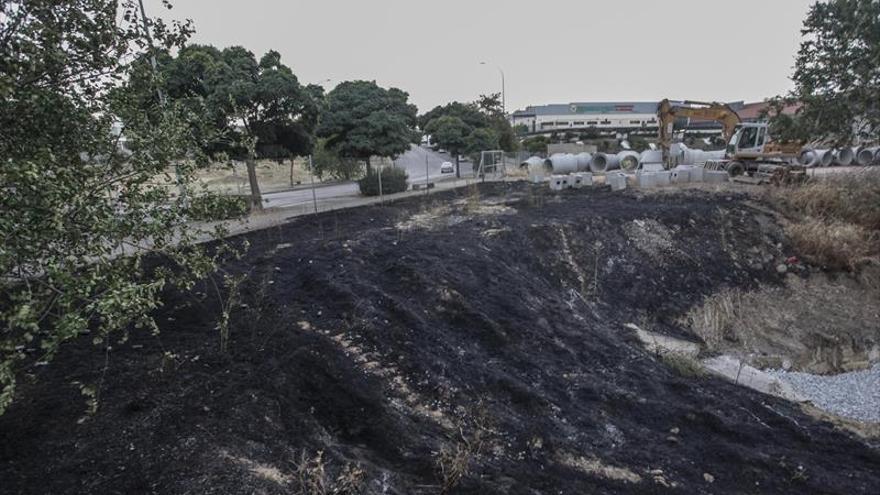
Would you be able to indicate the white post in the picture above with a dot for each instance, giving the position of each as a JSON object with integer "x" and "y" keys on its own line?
{"x": 381, "y": 197}
{"x": 312, "y": 178}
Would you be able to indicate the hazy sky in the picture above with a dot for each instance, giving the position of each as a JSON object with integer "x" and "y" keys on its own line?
{"x": 550, "y": 50}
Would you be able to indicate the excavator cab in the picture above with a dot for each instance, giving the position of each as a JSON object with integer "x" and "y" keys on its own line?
{"x": 747, "y": 141}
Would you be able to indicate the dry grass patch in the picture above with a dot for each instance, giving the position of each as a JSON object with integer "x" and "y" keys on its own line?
{"x": 851, "y": 198}
{"x": 833, "y": 243}
{"x": 837, "y": 218}
{"x": 595, "y": 467}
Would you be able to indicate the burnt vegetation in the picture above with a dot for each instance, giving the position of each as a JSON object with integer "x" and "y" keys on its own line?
{"x": 470, "y": 342}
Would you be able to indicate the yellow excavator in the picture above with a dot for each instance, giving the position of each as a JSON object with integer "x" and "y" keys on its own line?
{"x": 750, "y": 149}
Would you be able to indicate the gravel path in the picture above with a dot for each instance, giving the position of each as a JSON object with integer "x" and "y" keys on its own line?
{"x": 854, "y": 395}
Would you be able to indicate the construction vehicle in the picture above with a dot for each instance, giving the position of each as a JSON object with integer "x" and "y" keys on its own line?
{"x": 750, "y": 151}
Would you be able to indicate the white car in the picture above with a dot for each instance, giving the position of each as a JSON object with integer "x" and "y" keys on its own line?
{"x": 446, "y": 168}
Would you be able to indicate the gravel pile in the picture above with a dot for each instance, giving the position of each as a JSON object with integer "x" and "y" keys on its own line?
{"x": 854, "y": 395}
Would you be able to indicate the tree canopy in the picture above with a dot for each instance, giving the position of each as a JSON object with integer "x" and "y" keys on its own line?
{"x": 485, "y": 113}
{"x": 361, "y": 119}
{"x": 451, "y": 133}
{"x": 80, "y": 210}
{"x": 837, "y": 74}
{"x": 246, "y": 108}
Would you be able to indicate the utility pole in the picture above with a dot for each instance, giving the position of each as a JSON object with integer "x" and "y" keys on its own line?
{"x": 162, "y": 100}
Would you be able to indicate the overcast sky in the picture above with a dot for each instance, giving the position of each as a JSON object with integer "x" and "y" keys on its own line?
{"x": 551, "y": 51}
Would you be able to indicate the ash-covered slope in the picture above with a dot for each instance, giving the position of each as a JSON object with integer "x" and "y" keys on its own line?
{"x": 479, "y": 335}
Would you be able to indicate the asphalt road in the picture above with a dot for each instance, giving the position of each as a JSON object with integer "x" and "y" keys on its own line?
{"x": 413, "y": 161}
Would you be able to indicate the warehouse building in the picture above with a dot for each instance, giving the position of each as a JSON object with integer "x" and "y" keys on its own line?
{"x": 608, "y": 116}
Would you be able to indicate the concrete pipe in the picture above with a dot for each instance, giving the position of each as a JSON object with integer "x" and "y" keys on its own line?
{"x": 583, "y": 161}
{"x": 534, "y": 164}
{"x": 699, "y": 157}
{"x": 677, "y": 152}
{"x": 603, "y": 162}
{"x": 808, "y": 158}
{"x": 825, "y": 157}
{"x": 875, "y": 151}
{"x": 561, "y": 163}
{"x": 628, "y": 160}
{"x": 532, "y": 161}
{"x": 843, "y": 157}
{"x": 863, "y": 156}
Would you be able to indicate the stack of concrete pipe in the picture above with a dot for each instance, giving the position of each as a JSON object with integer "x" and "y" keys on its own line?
{"x": 809, "y": 157}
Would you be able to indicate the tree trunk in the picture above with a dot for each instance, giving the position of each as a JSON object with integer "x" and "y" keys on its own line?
{"x": 368, "y": 164}
{"x": 256, "y": 197}
{"x": 457, "y": 167}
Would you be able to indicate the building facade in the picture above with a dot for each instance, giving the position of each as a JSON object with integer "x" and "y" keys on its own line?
{"x": 602, "y": 116}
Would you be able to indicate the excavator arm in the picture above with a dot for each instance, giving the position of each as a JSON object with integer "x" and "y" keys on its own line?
{"x": 668, "y": 111}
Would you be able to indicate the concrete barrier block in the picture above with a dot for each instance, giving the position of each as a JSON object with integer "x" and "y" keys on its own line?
{"x": 680, "y": 175}
{"x": 646, "y": 179}
{"x": 617, "y": 181}
{"x": 558, "y": 182}
{"x": 662, "y": 178}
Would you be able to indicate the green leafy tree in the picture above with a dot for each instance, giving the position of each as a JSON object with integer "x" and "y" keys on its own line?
{"x": 450, "y": 133}
{"x": 81, "y": 155}
{"x": 481, "y": 140}
{"x": 469, "y": 113}
{"x": 253, "y": 109}
{"x": 327, "y": 163}
{"x": 837, "y": 74}
{"x": 361, "y": 120}
{"x": 536, "y": 144}
{"x": 486, "y": 112}
{"x": 521, "y": 129}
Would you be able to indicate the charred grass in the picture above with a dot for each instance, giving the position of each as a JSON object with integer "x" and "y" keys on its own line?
{"x": 482, "y": 349}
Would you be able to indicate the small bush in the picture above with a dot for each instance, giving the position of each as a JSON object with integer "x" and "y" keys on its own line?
{"x": 682, "y": 364}
{"x": 217, "y": 207}
{"x": 393, "y": 181}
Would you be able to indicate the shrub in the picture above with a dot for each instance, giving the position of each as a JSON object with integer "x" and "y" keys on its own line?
{"x": 682, "y": 364}
{"x": 393, "y": 181}
{"x": 218, "y": 207}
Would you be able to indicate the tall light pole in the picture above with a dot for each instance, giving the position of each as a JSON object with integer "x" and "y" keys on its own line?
{"x": 503, "y": 106}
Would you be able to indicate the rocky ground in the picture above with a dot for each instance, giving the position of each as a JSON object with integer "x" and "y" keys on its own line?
{"x": 475, "y": 341}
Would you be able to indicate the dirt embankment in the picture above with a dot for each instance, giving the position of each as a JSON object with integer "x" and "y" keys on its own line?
{"x": 470, "y": 344}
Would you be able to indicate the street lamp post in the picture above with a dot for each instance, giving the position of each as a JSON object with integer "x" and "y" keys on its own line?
{"x": 503, "y": 96}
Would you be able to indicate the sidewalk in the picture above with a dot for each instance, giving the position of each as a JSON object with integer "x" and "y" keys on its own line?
{"x": 272, "y": 217}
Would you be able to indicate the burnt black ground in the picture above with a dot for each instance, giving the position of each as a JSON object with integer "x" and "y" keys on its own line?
{"x": 376, "y": 344}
